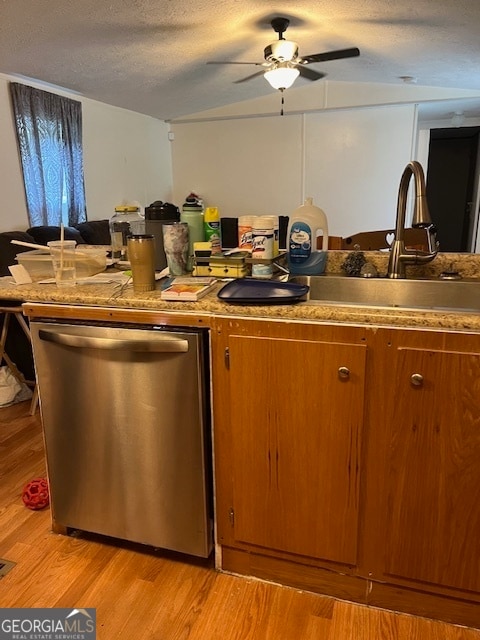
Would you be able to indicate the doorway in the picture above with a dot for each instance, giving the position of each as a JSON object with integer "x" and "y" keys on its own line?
{"x": 451, "y": 186}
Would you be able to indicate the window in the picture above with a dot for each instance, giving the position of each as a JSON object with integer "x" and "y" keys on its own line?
{"x": 49, "y": 134}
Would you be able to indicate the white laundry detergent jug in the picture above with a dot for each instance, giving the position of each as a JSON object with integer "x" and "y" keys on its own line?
{"x": 307, "y": 223}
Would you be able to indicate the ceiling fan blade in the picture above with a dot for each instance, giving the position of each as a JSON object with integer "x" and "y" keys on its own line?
{"x": 331, "y": 55}
{"x": 254, "y": 75}
{"x": 259, "y": 64}
{"x": 310, "y": 74}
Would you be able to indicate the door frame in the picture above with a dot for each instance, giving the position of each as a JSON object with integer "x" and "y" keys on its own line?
{"x": 422, "y": 155}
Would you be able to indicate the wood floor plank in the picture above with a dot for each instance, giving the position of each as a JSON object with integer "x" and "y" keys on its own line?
{"x": 261, "y": 610}
{"x": 150, "y": 594}
{"x": 357, "y": 622}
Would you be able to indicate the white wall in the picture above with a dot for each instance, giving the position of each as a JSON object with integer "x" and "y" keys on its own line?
{"x": 250, "y": 166}
{"x": 126, "y": 158}
{"x": 347, "y": 155}
{"x": 318, "y": 96}
{"x": 354, "y": 159}
{"x": 349, "y": 160}
{"x": 13, "y": 212}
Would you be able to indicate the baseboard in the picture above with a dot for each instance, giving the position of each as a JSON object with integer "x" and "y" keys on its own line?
{"x": 351, "y": 588}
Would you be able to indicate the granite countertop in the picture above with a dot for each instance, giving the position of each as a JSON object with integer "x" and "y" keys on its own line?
{"x": 109, "y": 295}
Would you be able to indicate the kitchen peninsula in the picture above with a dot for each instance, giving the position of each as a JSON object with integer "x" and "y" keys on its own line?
{"x": 346, "y": 441}
{"x": 107, "y": 296}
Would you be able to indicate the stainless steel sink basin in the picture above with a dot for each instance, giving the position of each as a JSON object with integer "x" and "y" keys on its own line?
{"x": 449, "y": 295}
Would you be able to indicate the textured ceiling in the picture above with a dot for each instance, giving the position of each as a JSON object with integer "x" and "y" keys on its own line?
{"x": 150, "y": 56}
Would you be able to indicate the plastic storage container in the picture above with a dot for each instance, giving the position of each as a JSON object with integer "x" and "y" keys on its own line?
{"x": 127, "y": 220}
{"x": 307, "y": 223}
{"x": 39, "y": 263}
{"x": 263, "y": 232}
{"x": 245, "y": 224}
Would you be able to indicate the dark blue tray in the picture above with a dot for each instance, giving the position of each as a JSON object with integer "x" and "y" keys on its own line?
{"x": 252, "y": 291}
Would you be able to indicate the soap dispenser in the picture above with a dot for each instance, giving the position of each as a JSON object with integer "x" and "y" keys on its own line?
{"x": 307, "y": 223}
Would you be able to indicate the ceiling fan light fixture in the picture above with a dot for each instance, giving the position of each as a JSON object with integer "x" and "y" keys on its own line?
{"x": 282, "y": 76}
{"x": 281, "y": 51}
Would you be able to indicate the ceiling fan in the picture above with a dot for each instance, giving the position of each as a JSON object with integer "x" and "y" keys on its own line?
{"x": 284, "y": 65}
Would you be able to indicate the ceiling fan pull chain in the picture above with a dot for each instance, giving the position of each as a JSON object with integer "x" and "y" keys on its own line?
{"x": 282, "y": 103}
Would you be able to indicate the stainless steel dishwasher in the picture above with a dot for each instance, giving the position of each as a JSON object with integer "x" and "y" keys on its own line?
{"x": 125, "y": 419}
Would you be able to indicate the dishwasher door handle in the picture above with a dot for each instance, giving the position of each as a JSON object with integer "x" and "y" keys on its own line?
{"x": 163, "y": 345}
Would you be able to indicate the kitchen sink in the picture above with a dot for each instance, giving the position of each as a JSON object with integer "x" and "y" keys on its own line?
{"x": 448, "y": 295}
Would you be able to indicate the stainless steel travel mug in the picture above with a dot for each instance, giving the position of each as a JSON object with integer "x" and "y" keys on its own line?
{"x": 141, "y": 254}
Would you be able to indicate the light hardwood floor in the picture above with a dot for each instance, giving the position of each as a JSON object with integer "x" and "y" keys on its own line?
{"x": 140, "y": 593}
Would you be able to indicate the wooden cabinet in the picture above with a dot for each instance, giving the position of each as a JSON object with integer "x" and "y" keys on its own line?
{"x": 423, "y": 481}
{"x": 289, "y": 404}
{"x": 347, "y": 461}
{"x": 296, "y": 425}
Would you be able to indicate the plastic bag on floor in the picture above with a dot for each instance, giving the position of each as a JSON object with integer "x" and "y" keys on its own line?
{"x": 11, "y": 389}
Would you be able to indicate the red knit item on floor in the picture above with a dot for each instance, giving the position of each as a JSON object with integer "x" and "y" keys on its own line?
{"x": 35, "y": 494}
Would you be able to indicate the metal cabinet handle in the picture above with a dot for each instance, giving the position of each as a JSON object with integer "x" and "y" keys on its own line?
{"x": 417, "y": 379}
{"x": 344, "y": 373}
{"x": 163, "y": 345}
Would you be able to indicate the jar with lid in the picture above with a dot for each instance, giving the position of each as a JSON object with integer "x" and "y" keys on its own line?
{"x": 127, "y": 220}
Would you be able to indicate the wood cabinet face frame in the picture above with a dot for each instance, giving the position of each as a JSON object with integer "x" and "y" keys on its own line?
{"x": 403, "y": 431}
{"x": 421, "y": 494}
{"x": 283, "y": 376}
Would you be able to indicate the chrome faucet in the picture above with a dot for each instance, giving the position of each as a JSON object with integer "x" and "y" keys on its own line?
{"x": 399, "y": 255}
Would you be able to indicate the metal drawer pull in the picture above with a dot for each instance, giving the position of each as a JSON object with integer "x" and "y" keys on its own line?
{"x": 344, "y": 373}
{"x": 417, "y": 379}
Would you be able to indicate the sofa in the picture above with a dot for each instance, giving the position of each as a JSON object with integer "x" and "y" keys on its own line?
{"x": 94, "y": 232}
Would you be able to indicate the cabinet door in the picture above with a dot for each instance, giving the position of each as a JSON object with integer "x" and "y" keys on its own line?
{"x": 296, "y": 416}
{"x": 433, "y": 486}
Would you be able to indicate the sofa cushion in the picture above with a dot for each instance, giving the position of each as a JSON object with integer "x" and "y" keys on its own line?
{"x": 45, "y": 234}
{"x": 95, "y": 231}
{"x": 8, "y": 251}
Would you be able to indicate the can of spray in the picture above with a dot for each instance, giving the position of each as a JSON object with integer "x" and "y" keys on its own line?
{"x": 263, "y": 230}
{"x": 212, "y": 228}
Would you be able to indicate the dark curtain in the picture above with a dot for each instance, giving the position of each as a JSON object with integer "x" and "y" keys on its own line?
{"x": 49, "y": 134}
